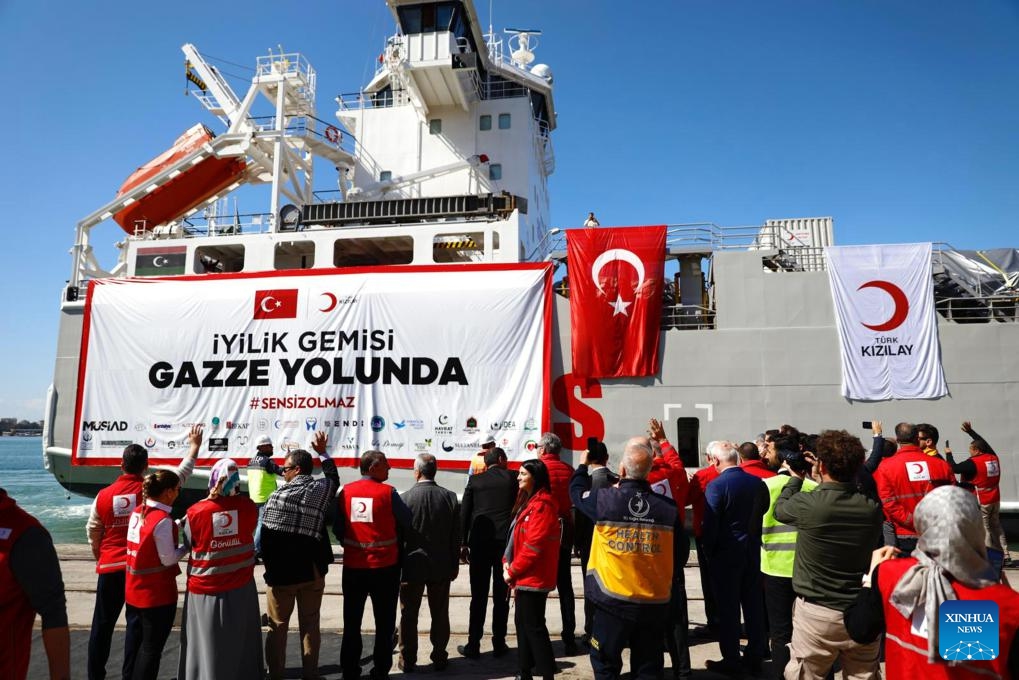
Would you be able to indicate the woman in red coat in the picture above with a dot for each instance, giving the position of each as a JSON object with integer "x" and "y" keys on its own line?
{"x": 529, "y": 567}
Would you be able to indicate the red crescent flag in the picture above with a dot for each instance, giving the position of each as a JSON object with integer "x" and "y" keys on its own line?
{"x": 615, "y": 282}
{"x": 276, "y": 304}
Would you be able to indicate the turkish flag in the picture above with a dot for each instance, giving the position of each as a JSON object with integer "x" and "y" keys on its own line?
{"x": 276, "y": 304}
{"x": 615, "y": 282}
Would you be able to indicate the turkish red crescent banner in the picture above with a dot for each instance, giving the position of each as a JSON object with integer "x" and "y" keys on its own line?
{"x": 615, "y": 281}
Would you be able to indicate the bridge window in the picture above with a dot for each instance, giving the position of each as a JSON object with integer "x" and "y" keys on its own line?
{"x": 435, "y": 126}
{"x": 294, "y": 255}
{"x": 385, "y": 175}
{"x": 458, "y": 247}
{"x": 504, "y": 121}
{"x": 371, "y": 252}
{"x": 429, "y": 18}
{"x": 218, "y": 259}
{"x": 495, "y": 171}
{"x": 485, "y": 122}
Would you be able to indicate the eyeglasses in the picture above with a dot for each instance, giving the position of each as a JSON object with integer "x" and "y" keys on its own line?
{"x": 288, "y": 468}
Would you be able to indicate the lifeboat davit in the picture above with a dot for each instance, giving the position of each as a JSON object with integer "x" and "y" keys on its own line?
{"x": 195, "y": 183}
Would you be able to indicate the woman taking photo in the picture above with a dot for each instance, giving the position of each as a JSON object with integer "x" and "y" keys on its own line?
{"x": 529, "y": 567}
{"x": 153, "y": 549}
{"x": 221, "y": 637}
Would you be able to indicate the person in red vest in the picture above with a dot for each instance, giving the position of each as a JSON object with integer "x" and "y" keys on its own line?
{"x": 107, "y": 536}
{"x": 153, "y": 550}
{"x": 696, "y": 500}
{"x": 559, "y": 473}
{"x": 904, "y": 479}
{"x": 529, "y": 567}
{"x": 370, "y": 518}
{"x": 982, "y": 471}
{"x": 221, "y": 636}
{"x": 30, "y": 582}
{"x": 668, "y": 477}
{"x": 902, "y": 597}
{"x": 750, "y": 461}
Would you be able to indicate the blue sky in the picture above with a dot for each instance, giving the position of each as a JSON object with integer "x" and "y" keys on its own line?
{"x": 898, "y": 118}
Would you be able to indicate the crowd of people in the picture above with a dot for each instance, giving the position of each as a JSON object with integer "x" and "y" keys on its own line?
{"x": 816, "y": 553}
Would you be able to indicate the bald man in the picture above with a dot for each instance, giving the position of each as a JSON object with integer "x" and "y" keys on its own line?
{"x": 637, "y": 541}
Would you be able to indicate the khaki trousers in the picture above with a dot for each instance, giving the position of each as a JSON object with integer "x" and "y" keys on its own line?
{"x": 819, "y": 638}
{"x": 280, "y": 601}
{"x": 994, "y": 534}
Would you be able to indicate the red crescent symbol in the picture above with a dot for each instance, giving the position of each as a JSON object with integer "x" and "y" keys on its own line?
{"x": 917, "y": 468}
{"x": 901, "y": 305}
{"x": 331, "y": 305}
{"x": 362, "y": 506}
{"x": 123, "y": 502}
{"x": 225, "y": 520}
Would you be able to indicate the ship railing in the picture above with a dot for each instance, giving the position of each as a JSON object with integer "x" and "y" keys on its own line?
{"x": 978, "y": 309}
{"x": 354, "y": 101}
{"x": 308, "y": 126}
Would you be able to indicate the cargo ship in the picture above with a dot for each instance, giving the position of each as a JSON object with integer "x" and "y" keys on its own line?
{"x": 400, "y": 286}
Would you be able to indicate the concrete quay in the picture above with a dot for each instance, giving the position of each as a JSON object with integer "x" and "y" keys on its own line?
{"x": 80, "y": 578}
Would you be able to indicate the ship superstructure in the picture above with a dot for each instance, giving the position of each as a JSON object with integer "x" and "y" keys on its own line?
{"x": 443, "y": 158}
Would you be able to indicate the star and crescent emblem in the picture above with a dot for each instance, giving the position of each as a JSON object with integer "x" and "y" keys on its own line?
{"x": 619, "y": 305}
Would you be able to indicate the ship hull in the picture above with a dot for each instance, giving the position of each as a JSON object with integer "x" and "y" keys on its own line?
{"x": 772, "y": 357}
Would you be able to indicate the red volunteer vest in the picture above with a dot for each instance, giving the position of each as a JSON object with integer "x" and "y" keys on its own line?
{"x": 912, "y": 474}
{"x": 906, "y": 652}
{"x": 369, "y": 537}
{"x": 149, "y": 583}
{"x": 987, "y": 478}
{"x": 114, "y": 505}
{"x": 222, "y": 547}
{"x": 16, "y": 614}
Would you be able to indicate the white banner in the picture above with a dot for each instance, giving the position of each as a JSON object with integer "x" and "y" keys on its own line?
{"x": 405, "y": 360}
{"x": 884, "y": 307}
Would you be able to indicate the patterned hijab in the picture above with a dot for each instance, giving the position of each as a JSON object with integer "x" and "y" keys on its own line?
{"x": 225, "y": 468}
{"x": 951, "y": 548}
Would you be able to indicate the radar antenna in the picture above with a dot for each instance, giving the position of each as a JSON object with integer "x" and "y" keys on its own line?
{"x": 522, "y": 44}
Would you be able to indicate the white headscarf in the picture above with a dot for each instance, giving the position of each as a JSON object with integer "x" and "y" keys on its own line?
{"x": 951, "y": 547}
{"x": 225, "y": 468}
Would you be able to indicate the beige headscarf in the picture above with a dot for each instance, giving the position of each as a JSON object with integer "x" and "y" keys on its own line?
{"x": 951, "y": 547}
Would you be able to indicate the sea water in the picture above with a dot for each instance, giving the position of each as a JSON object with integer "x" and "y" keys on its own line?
{"x": 26, "y": 480}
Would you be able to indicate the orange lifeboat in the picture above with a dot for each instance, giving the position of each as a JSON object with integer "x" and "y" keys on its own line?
{"x": 193, "y": 185}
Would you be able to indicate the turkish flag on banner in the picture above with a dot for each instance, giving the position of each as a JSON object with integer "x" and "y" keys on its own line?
{"x": 275, "y": 304}
{"x": 615, "y": 281}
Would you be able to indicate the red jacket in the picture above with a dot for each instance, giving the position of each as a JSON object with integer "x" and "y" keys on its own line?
{"x": 114, "y": 505}
{"x": 559, "y": 474}
{"x": 16, "y": 613}
{"x": 902, "y": 482}
{"x": 906, "y": 652}
{"x": 987, "y": 478}
{"x": 757, "y": 468}
{"x": 222, "y": 544}
{"x": 695, "y": 495}
{"x": 534, "y": 539}
{"x": 670, "y": 467}
{"x": 149, "y": 583}
{"x": 369, "y": 526}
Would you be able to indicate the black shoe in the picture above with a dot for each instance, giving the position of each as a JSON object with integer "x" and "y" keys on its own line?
{"x": 703, "y": 633}
{"x": 723, "y": 667}
{"x": 406, "y": 667}
{"x": 570, "y": 647}
{"x": 440, "y": 665}
{"x": 743, "y": 651}
{"x": 469, "y": 651}
{"x": 585, "y": 640}
{"x": 500, "y": 650}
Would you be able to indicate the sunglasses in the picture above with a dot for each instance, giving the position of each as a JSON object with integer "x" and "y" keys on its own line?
{"x": 288, "y": 468}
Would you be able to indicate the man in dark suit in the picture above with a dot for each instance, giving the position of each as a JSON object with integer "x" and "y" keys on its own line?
{"x": 487, "y": 503}
{"x": 432, "y": 561}
{"x": 735, "y": 505}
